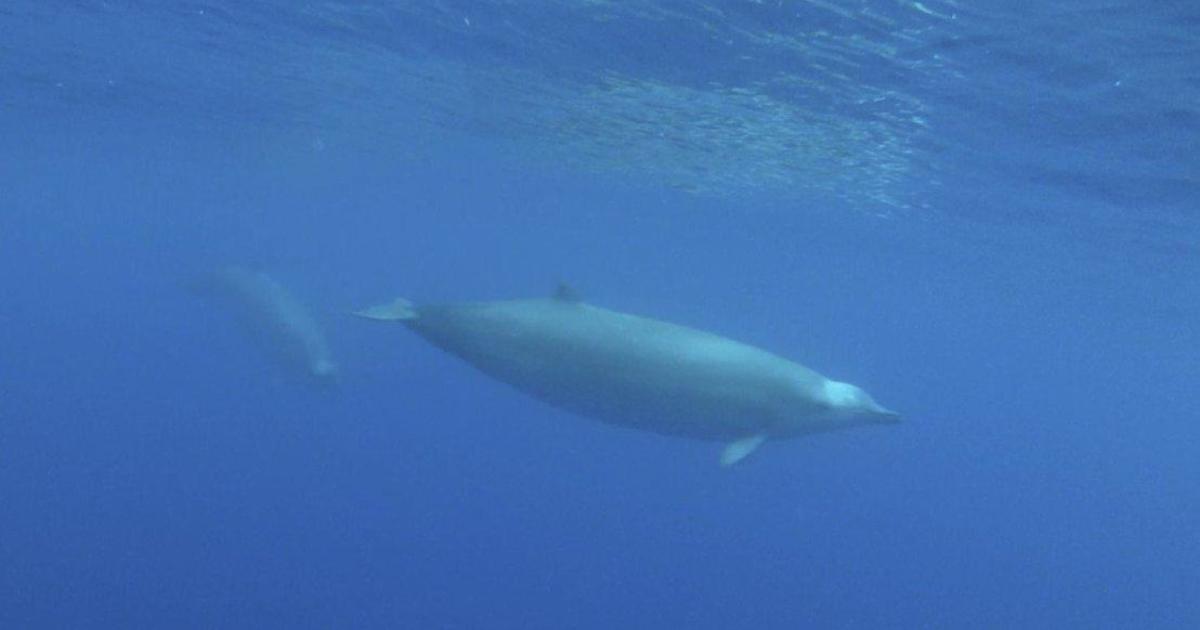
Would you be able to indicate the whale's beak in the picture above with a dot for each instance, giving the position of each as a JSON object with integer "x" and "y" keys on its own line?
{"x": 884, "y": 415}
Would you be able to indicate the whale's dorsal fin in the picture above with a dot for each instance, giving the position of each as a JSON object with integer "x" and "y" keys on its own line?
{"x": 738, "y": 450}
{"x": 566, "y": 293}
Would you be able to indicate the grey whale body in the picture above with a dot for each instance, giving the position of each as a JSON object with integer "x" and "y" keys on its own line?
{"x": 639, "y": 372}
{"x": 276, "y": 320}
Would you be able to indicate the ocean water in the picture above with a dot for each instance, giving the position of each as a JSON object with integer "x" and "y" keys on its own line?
{"x": 986, "y": 215}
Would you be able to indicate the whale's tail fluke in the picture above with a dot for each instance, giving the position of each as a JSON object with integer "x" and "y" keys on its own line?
{"x": 397, "y": 310}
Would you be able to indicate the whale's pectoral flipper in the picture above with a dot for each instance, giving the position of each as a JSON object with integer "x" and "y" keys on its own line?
{"x": 737, "y": 450}
{"x": 397, "y": 310}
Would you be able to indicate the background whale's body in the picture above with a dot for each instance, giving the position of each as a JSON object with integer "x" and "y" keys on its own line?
{"x": 277, "y": 321}
{"x": 634, "y": 371}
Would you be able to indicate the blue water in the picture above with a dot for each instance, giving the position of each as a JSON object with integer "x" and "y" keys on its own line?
{"x": 985, "y": 216}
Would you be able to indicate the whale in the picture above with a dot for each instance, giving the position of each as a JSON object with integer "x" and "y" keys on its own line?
{"x": 277, "y": 321}
{"x": 639, "y": 372}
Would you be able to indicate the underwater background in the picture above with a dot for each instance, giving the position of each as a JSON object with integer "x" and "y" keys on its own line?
{"x": 983, "y": 213}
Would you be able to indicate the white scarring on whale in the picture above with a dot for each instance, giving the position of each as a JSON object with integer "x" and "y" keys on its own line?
{"x": 639, "y": 372}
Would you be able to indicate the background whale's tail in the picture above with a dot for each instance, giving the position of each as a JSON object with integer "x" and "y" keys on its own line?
{"x": 397, "y": 310}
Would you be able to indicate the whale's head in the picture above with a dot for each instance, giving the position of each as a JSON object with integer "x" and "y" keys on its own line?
{"x": 851, "y": 403}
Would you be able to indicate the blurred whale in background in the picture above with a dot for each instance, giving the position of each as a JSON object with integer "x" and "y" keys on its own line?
{"x": 276, "y": 320}
{"x": 639, "y": 372}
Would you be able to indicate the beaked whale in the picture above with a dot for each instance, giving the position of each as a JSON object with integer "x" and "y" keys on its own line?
{"x": 639, "y": 372}
{"x": 277, "y": 321}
